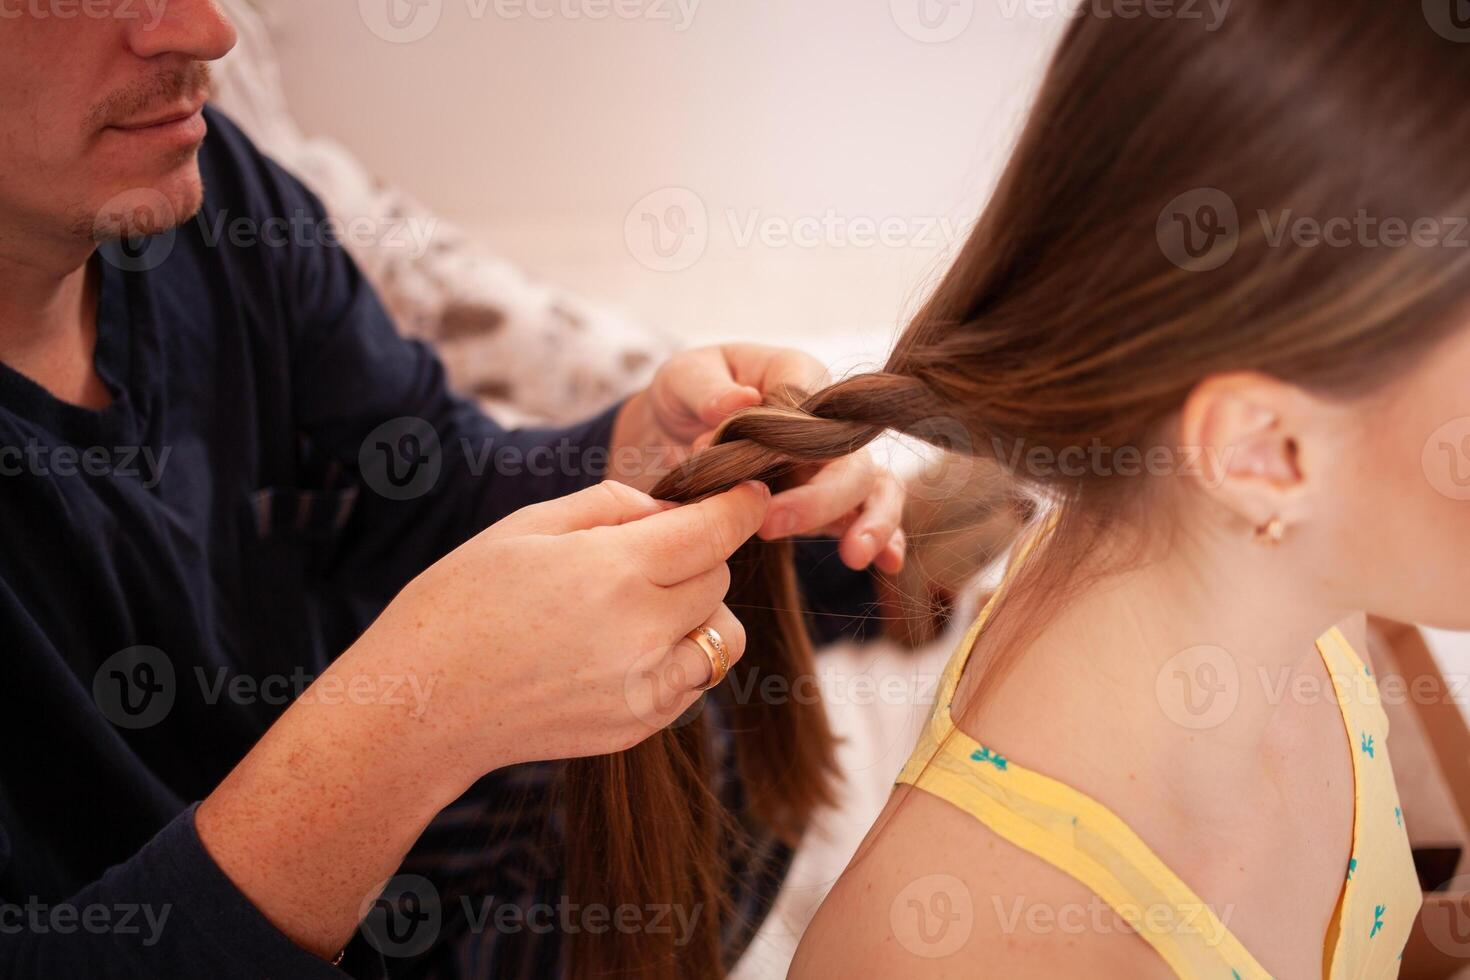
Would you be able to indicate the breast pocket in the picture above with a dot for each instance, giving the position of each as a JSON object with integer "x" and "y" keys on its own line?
{"x": 288, "y": 535}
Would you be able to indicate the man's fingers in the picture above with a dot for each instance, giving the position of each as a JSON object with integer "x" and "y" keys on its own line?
{"x": 690, "y": 601}
{"x": 839, "y": 487}
{"x": 688, "y": 668}
{"x": 874, "y": 529}
{"x": 607, "y": 504}
{"x": 679, "y": 544}
{"x": 661, "y": 693}
{"x": 891, "y": 559}
{"x": 698, "y": 389}
{"x": 765, "y": 369}
{"x": 779, "y": 367}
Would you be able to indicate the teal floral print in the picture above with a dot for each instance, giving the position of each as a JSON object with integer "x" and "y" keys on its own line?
{"x": 983, "y": 754}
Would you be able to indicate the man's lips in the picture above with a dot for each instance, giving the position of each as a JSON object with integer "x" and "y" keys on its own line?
{"x": 175, "y": 114}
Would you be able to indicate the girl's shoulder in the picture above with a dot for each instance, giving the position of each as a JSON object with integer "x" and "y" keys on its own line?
{"x": 934, "y": 893}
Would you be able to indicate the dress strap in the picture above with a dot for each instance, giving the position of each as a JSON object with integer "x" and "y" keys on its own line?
{"x": 941, "y": 722}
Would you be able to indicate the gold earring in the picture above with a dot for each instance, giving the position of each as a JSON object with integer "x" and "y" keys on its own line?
{"x": 1272, "y": 532}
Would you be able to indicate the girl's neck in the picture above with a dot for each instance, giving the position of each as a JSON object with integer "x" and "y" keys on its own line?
{"x": 1197, "y": 642}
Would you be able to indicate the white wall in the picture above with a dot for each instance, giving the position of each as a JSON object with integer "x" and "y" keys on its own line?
{"x": 543, "y": 135}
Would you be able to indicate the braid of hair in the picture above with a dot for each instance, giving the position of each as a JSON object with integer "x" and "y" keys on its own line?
{"x": 766, "y": 443}
{"x": 646, "y": 824}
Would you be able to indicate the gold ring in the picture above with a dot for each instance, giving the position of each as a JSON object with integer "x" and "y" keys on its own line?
{"x": 709, "y": 640}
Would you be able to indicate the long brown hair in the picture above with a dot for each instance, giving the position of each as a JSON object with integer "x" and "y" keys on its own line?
{"x": 1129, "y": 252}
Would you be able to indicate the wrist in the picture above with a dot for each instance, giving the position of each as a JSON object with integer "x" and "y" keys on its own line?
{"x": 320, "y": 812}
{"x": 631, "y": 423}
{"x": 408, "y": 719}
{"x": 633, "y": 435}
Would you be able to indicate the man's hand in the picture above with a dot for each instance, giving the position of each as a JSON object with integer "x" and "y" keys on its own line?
{"x": 850, "y": 498}
{"x": 558, "y": 633}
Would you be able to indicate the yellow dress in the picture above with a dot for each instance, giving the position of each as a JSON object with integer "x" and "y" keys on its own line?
{"x": 1380, "y": 897}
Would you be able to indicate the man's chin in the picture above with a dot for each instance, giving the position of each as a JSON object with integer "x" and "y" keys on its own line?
{"x": 146, "y": 207}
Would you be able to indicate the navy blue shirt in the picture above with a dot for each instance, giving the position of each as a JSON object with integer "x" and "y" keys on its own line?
{"x": 176, "y": 567}
{"x": 276, "y": 463}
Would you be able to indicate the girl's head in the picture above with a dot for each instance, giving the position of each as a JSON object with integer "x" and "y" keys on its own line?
{"x": 1221, "y": 291}
{"x": 1237, "y": 259}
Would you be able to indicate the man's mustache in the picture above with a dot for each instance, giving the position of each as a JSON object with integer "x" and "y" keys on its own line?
{"x": 152, "y": 95}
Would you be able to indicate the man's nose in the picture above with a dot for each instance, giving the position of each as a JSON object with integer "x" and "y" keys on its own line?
{"x": 195, "y": 29}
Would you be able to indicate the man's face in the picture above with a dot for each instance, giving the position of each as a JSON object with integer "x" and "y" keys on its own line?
{"x": 100, "y": 122}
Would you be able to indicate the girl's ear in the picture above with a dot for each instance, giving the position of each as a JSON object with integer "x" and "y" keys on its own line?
{"x": 1253, "y": 435}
